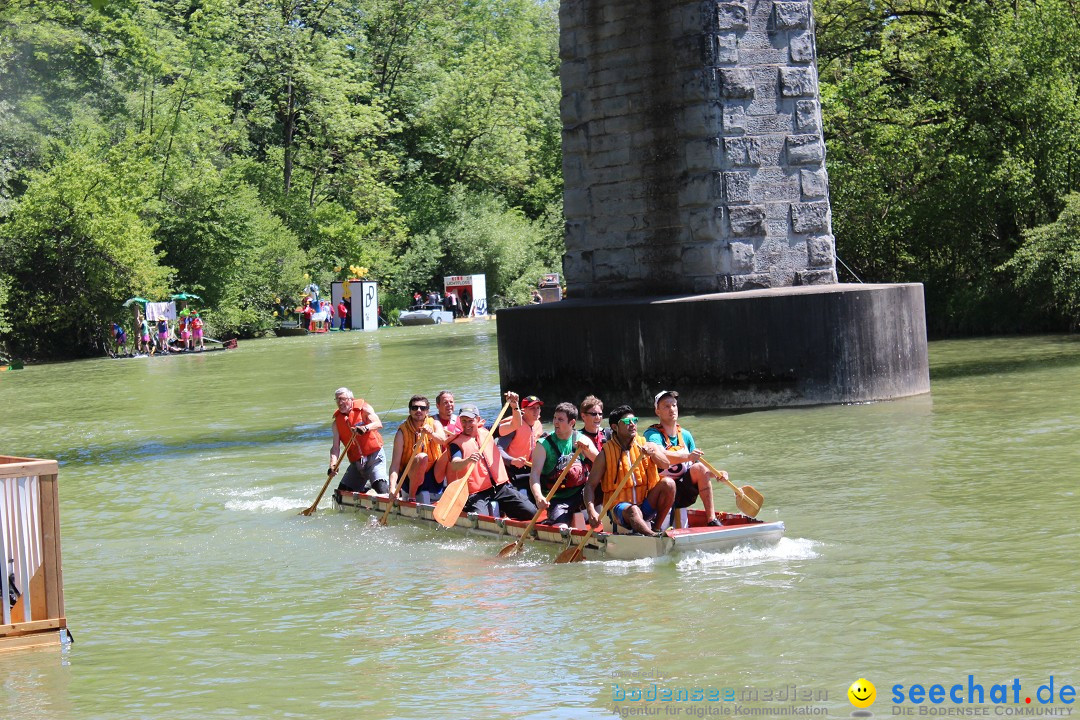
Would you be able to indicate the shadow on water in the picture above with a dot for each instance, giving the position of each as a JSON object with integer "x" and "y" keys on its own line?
{"x": 1058, "y": 352}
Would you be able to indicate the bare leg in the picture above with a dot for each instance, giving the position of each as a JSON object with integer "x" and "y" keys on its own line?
{"x": 700, "y": 475}
{"x": 662, "y": 497}
{"x": 633, "y": 519}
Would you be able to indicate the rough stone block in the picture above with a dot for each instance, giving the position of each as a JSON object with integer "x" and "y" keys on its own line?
{"x": 807, "y": 116}
{"x": 697, "y": 85}
{"x": 790, "y": 15}
{"x": 700, "y": 189}
{"x": 734, "y": 119}
{"x": 802, "y": 48}
{"x": 577, "y": 267}
{"x": 732, "y": 16}
{"x": 612, "y": 158}
{"x": 737, "y": 187}
{"x": 617, "y": 264}
{"x": 747, "y": 220}
{"x": 576, "y": 203}
{"x": 820, "y": 252}
{"x": 815, "y": 183}
{"x": 702, "y": 154}
{"x": 805, "y": 150}
{"x": 574, "y": 108}
{"x": 742, "y": 151}
{"x": 742, "y": 258}
{"x": 699, "y": 259}
{"x": 815, "y": 277}
{"x": 798, "y": 82}
{"x": 735, "y": 83}
{"x": 699, "y": 120}
{"x": 705, "y": 223}
{"x": 725, "y": 48}
{"x": 753, "y": 281}
{"x": 757, "y": 57}
{"x": 770, "y": 124}
{"x": 811, "y": 217}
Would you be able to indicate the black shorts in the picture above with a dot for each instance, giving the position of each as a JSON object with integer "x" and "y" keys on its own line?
{"x": 686, "y": 492}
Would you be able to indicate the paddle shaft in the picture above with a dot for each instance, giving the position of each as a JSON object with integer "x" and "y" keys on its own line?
{"x": 738, "y": 490}
{"x": 579, "y": 550}
{"x": 547, "y": 498}
{"x": 401, "y": 479}
{"x": 330, "y": 476}
{"x": 449, "y": 499}
{"x": 723, "y": 478}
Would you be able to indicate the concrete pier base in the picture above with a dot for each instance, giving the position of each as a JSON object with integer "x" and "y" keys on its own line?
{"x": 790, "y": 346}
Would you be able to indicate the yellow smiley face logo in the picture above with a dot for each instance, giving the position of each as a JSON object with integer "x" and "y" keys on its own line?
{"x": 862, "y": 693}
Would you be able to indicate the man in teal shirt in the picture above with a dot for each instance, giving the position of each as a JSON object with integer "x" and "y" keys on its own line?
{"x": 691, "y": 477}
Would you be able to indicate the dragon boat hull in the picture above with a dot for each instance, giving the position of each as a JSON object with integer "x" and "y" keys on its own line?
{"x": 697, "y": 536}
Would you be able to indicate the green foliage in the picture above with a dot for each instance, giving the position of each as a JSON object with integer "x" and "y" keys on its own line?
{"x": 950, "y": 128}
{"x": 484, "y": 236}
{"x": 231, "y": 250}
{"x": 75, "y": 247}
{"x": 1046, "y": 268}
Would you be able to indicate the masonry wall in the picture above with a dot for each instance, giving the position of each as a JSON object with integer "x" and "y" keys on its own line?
{"x": 693, "y": 156}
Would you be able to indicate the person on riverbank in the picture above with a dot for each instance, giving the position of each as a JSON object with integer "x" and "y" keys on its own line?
{"x": 120, "y": 338}
{"x": 690, "y": 476}
{"x": 196, "y": 331}
{"x": 143, "y": 332}
{"x": 518, "y": 435}
{"x": 645, "y": 499}
{"x": 487, "y": 478}
{"x": 367, "y": 461}
{"x": 550, "y": 457}
{"x": 420, "y": 428}
{"x": 343, "y": 315}
{"x": 163, "y": 334}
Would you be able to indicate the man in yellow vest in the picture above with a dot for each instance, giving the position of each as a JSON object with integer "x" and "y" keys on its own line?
{"x": 645, "y": 499}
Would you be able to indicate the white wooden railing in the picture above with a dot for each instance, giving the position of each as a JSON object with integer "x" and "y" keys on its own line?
{"x": 31, "y": 581}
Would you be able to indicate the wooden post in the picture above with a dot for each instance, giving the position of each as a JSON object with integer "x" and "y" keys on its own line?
{"x": 45, "y": 592}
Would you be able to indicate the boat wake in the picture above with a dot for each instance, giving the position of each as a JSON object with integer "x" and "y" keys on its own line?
{"x": 267, "y": 505}
{"x": 752, "y": 554}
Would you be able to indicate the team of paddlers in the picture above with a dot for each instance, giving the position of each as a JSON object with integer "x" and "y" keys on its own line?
{"x": 635, "y": 479}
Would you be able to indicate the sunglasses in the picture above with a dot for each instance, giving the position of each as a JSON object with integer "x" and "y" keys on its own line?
{"x": 418, "y": 407}
{"x": 629, "y": 420}
{"x": 595, "y": 413}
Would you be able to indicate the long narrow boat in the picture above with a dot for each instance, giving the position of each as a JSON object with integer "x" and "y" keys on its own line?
{"x": 736, "y": 529}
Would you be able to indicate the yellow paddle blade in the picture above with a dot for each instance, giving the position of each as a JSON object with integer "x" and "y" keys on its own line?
{"x": 449, "y": 507}
{"x": 569, "y": 555}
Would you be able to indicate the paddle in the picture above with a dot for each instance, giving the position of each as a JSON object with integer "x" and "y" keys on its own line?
{"x": 577, "y": 552}
{"x": 515, "y": 547}
{"x": 329, "y": 476}
{"x": 747, "y": 499}
{"x": 448, "y": 509}
{"x": 401, "y": 479}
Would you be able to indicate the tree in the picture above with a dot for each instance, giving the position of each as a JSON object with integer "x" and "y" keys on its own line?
{"x": 76, "y": 247}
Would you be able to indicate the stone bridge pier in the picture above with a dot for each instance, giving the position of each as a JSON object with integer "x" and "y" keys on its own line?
{"x": 699, "y": 247}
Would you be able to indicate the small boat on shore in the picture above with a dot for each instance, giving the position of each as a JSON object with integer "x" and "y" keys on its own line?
{"x": 735, "y": 530}
{"x": 290, "y": 329}
{"x": 426, "y": 315}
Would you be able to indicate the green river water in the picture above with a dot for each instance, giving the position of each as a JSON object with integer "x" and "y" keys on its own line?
{"x": 928, "y": 539}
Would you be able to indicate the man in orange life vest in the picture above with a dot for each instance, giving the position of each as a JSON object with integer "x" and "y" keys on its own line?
{"x": 518, "y": 435}
{"x": 367, "y": 461}
{"x": 645, "y": 499}
{"x": 488, "y": 481}
{"x": 420, "y": 428}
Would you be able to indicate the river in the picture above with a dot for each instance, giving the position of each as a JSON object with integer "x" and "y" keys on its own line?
{"x": 928, "y": 539}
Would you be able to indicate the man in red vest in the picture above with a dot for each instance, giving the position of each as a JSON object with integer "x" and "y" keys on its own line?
{"x": 356, "y": 420}
{"x": 488, "y": 481}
